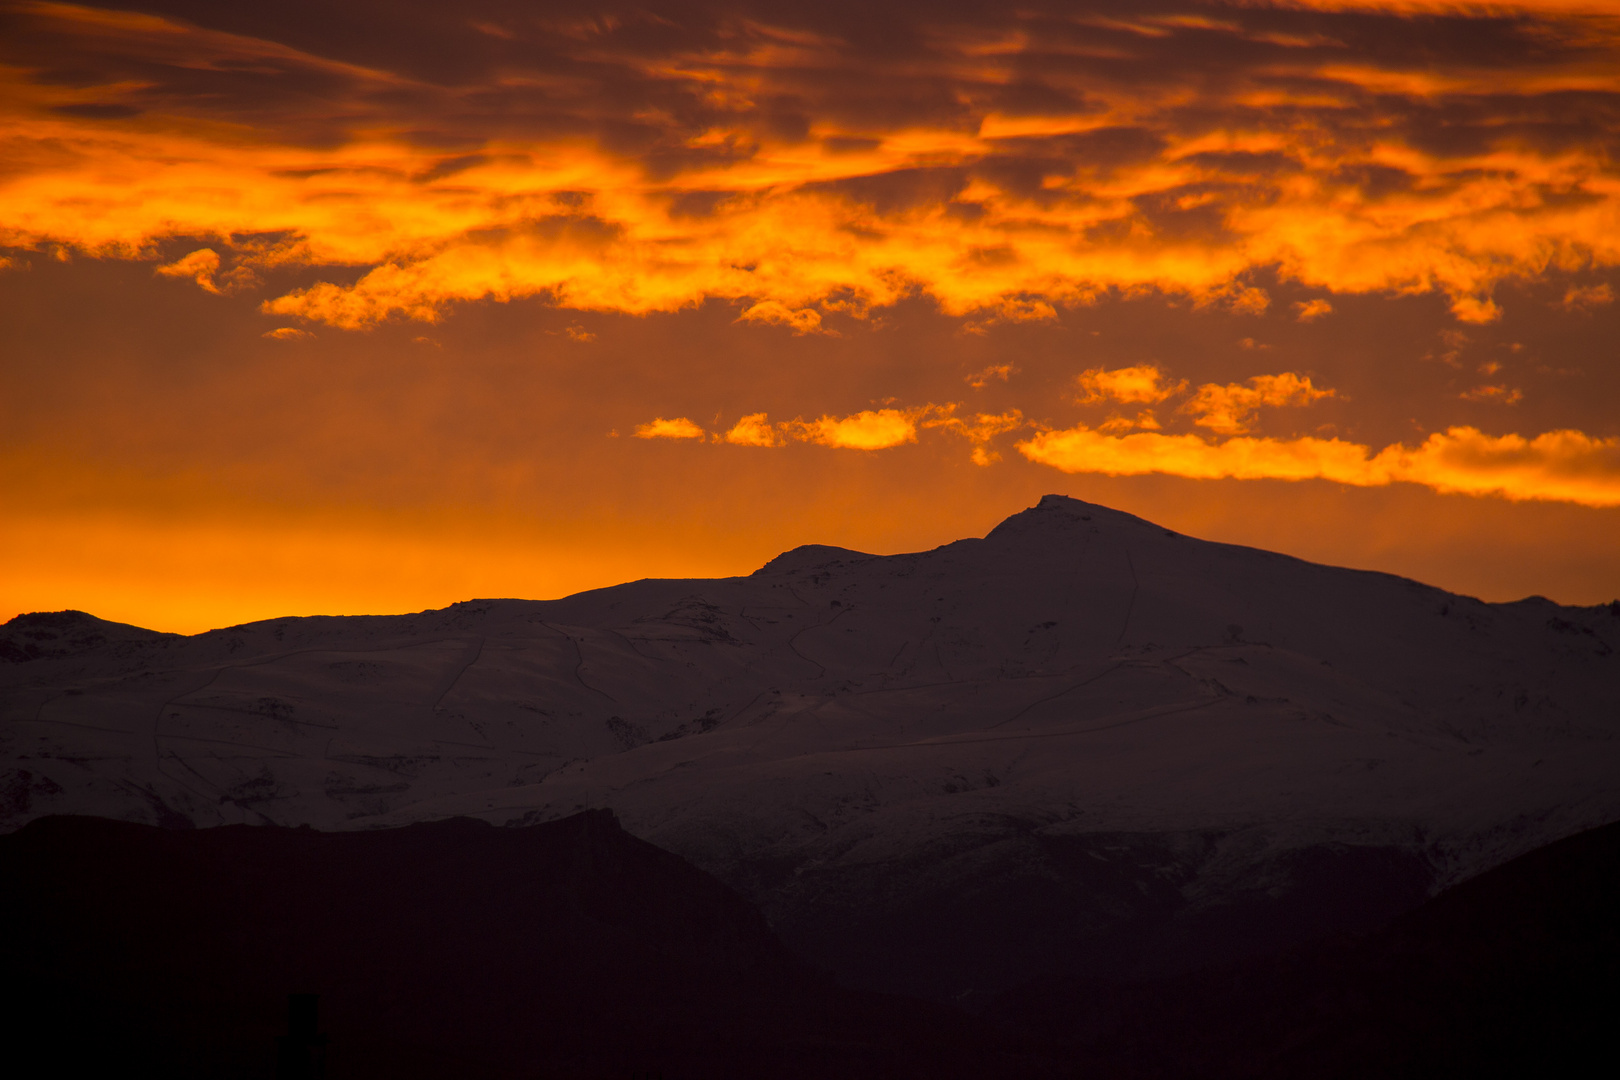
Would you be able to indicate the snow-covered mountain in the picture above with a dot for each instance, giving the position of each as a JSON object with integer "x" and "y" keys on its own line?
{"x": 1081, "y": 741}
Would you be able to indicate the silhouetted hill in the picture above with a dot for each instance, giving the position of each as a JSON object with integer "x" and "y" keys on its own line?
{"x": 1515, "y": 973}
{"x": 49, "y": 635}
{"x": 451, "y": 949}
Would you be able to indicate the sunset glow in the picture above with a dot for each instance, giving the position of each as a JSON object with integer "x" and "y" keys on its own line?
{"x": 647, "y": 291}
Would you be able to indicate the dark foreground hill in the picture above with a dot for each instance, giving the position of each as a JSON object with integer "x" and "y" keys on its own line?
{"x": 571, "y": 949}
{"x": 451, "y": 949}
{"x": 1515, "y": 973}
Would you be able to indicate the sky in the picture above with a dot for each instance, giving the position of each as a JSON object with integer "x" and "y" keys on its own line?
{"x": 365, "y": 307}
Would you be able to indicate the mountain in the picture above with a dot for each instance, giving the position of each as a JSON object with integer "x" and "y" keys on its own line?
{"x": 571, "y": 949}
{"x": 1513, "y": 973}
{"x": 452, "y": 948}
{"x": 1083, "y": 742}
{"x": 49, "y": 634}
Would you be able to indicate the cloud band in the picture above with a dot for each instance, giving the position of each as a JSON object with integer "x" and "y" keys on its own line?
{"x": 1566, "y": 466}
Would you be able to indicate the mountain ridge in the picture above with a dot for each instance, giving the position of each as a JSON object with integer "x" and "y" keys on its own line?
{"x": 1082, "y": 734}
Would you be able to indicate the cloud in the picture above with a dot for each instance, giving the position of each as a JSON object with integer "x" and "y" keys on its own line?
{"x": 200, "y": 266}
{"x": 1454, "y": 7}
{"x": 635, "y": 168}
{"x": 754, "y": 430}
{"x": 1310, "y": 310}
{"x": 1475, "y": 309}
{"x": 978, "y": 431}
{"x": 870, "y": 429}
{"x": 1228, "y": 410}
{"x": 678, "y": 428}
{"x": 1588, "y": 297}
{"x": 287, "y": 333}
{"x": 1142, "y": 382}
{"x": 1144, "y": 420}
{"x": 981, "y": 379}
{"x": 1505, "y": 394}
{"x": 1565, "y": 466}
{"x": 1243, "y": 300}
{"x": 773, "y": 313}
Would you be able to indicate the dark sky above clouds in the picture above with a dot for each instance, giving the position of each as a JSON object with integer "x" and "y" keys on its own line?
{"x": 369, "y": 307}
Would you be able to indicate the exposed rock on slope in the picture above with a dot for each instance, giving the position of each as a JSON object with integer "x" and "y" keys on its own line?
{"x": 1082, "y": 739}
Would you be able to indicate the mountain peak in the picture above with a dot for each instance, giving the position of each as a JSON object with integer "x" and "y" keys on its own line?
{"x": 1061, "y": 511}
{"x": 808, "y": 555}
{"x": 45, "y": 634}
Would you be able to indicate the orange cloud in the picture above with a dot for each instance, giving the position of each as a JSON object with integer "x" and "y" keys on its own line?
{"x": 200, "y": 266}
{"x": 287, "y": 333}
{"x": 1310, "y": 310}
{"x": 1228, "y": 410}
{"x": 1315, "y": 162}
{"x": 1452, "y": 7}
{"x": 774, "y": 313}
{"x": 870, "y": 429}
{"x": 753, "y": 430}
{"x": 981, "y": 379}
{"x": 1144, "y": 420}
{"x": 1142, "y": 382}
{"x": 1244, "y": 300}
{"x": 678, "y": 428}
{"x": 1585, "y": 298}
{"x": 1505, "y": 394}
{"x": 979, "y": 431}
{"x": 1565, "y": 466}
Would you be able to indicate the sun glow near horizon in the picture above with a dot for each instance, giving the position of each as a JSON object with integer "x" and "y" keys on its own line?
{"x": 648, "y": 292}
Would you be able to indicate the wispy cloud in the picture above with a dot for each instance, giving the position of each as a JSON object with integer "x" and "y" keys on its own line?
{"x": 1229, "y": 409}
{"x": 1506, "y": 395}
{"x": 983, "y": 378}
{"x": 200, "y": 266}
{"x": 869, "y": 429}
{"x": 772, "y": 313}
{"x": 754, "y": 430}
{"x": 1566, "y": 466}
{"x": 1584, "y": 298}
{"x": 1140, "y": 382}
{"x": 979, "y": 430}
{"x": 678, "y": 428}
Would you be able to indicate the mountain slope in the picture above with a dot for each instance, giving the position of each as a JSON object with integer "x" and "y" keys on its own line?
{"x": 444, "y": 949}
{"x": 1080, "y": 740}
{"x": 1512, "y": 973}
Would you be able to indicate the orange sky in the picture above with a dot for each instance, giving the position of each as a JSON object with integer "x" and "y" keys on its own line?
{"x": 362, "y": 307}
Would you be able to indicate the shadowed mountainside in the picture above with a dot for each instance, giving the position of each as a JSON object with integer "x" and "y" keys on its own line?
{"x": 446, "y": 949}
{"x": 1513, "y": 973}
{"x": 571, "y": 949}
